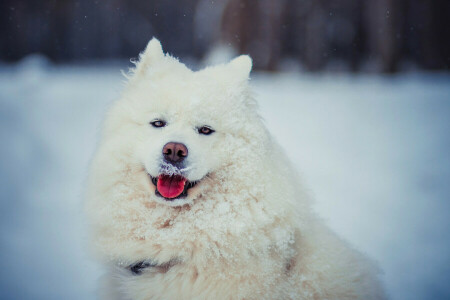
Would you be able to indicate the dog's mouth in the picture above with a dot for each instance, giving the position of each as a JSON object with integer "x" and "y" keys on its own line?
{"x": 171, "y": 187}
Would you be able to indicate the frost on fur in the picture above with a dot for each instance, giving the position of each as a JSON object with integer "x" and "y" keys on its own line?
{"x": 244, "y": 230}
{"x": 169, "y": 169}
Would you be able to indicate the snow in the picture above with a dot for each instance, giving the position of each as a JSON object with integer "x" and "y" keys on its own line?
{"x": 372, "y": 149}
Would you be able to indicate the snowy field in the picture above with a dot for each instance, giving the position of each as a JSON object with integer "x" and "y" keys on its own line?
{"x": 375, "y": 152}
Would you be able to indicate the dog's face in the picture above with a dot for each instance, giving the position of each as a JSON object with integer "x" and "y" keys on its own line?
{"x": 182, "y": 126}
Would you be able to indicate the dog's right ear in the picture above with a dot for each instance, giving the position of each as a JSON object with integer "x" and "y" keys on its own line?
{"x": 152, "y": 54}
{"x": 241, "y": 66}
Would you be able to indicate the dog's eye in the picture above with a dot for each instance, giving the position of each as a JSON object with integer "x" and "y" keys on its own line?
{"x": 205, "y": 130}
{"x": 158, "y": 123}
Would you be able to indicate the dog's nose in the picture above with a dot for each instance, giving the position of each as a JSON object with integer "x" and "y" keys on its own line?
{"x": 174, "y": 152}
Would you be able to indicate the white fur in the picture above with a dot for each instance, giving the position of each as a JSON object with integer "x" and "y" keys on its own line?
{"x": 246, "y": 231}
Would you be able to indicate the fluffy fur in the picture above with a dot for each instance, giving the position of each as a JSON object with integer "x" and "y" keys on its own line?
{"x": 245, "y": 231}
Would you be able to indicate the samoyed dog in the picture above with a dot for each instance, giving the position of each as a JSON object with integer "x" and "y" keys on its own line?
{"x": 189, "y": 197}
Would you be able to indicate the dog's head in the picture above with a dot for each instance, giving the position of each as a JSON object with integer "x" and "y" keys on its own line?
{"x": 182, "y": 127}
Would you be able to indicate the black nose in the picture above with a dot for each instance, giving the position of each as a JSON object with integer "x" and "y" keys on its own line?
{"x": 175, "y": 152}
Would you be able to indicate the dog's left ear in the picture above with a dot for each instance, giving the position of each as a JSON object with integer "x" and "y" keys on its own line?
{"x": 241, "y": 67}
{"x": 152, "y": 54}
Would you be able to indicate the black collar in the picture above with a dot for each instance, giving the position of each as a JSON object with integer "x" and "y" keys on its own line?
{"x": 139, "y": 267}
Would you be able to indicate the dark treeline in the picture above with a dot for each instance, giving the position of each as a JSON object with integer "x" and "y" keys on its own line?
{"x": 357, "y": 34}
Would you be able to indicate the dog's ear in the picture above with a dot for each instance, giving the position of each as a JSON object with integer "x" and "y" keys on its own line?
{"x": 152, "y": 54}
{"x": 241, "y": 67}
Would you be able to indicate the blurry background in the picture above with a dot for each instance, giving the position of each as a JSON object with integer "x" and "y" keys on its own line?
{"x": 355, "y": 35}
{"x": 356, "y": 91}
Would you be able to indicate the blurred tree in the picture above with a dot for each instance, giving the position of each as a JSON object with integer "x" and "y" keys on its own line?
{"x": 254, "y": 27}
{"x": 318, "y": 34}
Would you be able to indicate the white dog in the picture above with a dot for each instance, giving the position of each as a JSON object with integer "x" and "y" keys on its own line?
{"x": 190, "y": 198}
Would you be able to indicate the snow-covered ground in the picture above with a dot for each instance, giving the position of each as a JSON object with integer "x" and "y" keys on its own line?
{"x": 375, "y": 152}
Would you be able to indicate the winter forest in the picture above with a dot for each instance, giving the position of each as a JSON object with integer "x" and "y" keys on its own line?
{"x": 344, "y": 35}
{"x": 357, "y": 93}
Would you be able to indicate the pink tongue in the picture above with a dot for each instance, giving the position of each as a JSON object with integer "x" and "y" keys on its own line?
{"x": 170, "y": 186}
